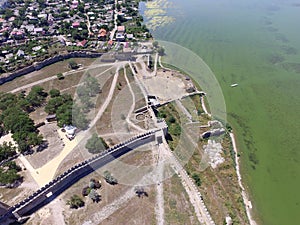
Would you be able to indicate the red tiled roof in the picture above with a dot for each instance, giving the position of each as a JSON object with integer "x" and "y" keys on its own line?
{"x": 102, "y": 32}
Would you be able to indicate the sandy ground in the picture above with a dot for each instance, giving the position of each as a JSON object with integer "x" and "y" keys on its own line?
{"x": 166, "y": 88}
{"x": 246, "y": 200}
{"x": 55, "y": 146}
{"x": 7, "y": 138}
{"x": 204, "y": 107}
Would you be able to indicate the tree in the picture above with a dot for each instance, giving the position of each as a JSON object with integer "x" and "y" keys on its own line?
{"x": 92, "y": 85}
{"x": 9, "y": 174}
{"x": 94, "y": 195}
{"x": 78, "y": 118}
{"x": 109, "y": 178}
{"x": 75, "y": 202}
{"x": 73, "y": 65}
{"x": 90, "y": 88}
{"x": 161, "y": 51}
{"x": 140, "y": 191}
{"x": 96, "y": 144}
{"x": 36, "y": 96}
{"x": 54, "y": 93}
{"x": 7, "y": 150}
{"x": 60, "y": 76}
{"x": 85, "y": 191}
{"x": 7, "y": 100}
{"x": 197, "y": 179}
{"x": 155, "y": 44}
{"x": 172, "y": 119}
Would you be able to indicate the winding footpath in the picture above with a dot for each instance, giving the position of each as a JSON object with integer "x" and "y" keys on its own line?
{"x": 247, "y": 202}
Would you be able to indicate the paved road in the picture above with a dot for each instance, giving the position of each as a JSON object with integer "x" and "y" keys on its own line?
{"x": 112, "y": 33}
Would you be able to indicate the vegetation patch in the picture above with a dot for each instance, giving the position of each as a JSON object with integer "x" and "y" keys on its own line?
{"x": 96, "y": 144}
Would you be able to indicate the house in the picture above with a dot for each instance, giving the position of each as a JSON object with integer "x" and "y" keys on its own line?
{"x": 17, "y": 33}
{"x": 20, "y": 53}
{"x": 9, "y": 56}
{"x": 120, "y": 37}
{"x": 129, "y": 36}
{"x": 82, "y": 43}
{"x": 70, "y": 131}
{"x": 110, "y": 42}
{"x": 121, "y": 29}
{"x": 38, "y": 30}
{"x": 102, "y": 34}
{"x": 42, "y": 15}
{"x": 75, "y": 24}
{"x": 37, "y": 48}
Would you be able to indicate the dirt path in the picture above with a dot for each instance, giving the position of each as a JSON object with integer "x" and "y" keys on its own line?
{"x": 192, "y": 191}
{"x": 132, "y": 105}
{"x": 155, "y": 65}
{"x": 246, "y": 200}
{"x": 112, "y": 34}
{"x": 88, "y": 24}
{"x": 160, "y": 209}
{"x": 55, "y": 77}
{"x": 108, "y": 99}
{"x": 81, "y": 82}
{"x": 204, "y": 107}
{"x": 46, "y": 173}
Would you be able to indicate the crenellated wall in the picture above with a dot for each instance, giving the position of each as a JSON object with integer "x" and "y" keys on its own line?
{"x": 71, "y": 176}
{"x": 39, "y": 65}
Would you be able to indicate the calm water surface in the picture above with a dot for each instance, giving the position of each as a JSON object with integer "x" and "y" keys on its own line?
{"x": 257, "y": 45}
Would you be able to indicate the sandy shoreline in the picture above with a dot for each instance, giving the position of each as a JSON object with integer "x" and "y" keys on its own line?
{"x": 246, "y": 200}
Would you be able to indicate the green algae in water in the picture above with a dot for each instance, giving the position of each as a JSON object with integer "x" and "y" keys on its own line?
{"x": 255, "y": 44}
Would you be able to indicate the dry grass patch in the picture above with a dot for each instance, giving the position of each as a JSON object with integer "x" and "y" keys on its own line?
{"x": 178, "y": 209}
{"x": 219, "y": 187}
{"x": 46, "y": 72}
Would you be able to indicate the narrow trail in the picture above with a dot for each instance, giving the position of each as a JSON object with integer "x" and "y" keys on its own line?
{"x": 81, "y": 82}
{"x": 88, "y": 24}
{"x": 204, "y": 107}
{"x": 154, "y": 73}
{"x": 246, "y": 200}
{"x": 112, "y": 34}
{"x": 192, "y": 191}
{"x": 55, "y": 77}
{"x": 107, "y": 100}
{"x": 132, "y": 105}
{"x": 159, "y": 209}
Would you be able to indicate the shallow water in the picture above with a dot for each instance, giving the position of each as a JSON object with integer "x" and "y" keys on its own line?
{"x": 257, "y": 45}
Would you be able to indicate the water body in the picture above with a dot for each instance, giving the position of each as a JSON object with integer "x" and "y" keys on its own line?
{"x": 257, "y": 45}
